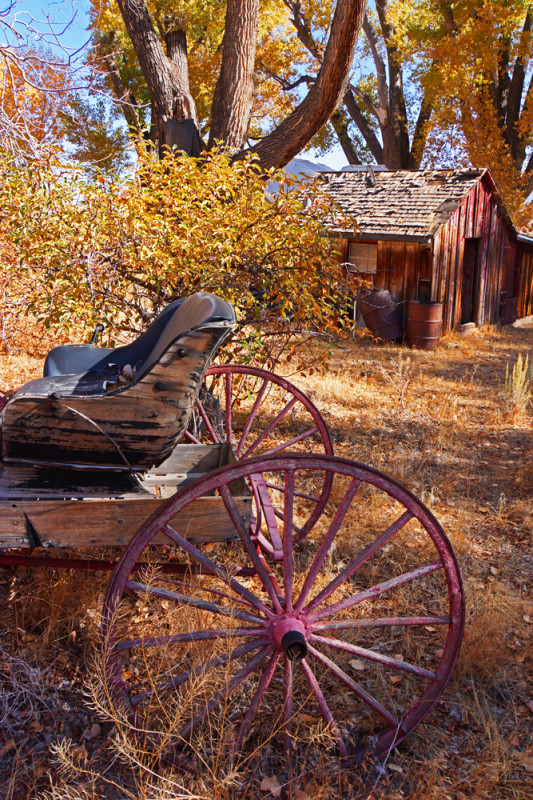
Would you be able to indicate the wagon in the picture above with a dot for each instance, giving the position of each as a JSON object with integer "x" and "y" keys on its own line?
{"x": 271, "y": 597}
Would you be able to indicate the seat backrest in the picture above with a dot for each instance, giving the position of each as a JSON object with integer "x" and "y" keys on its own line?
{"x": 177, "y": 318}
{"x": 96, "y": 418}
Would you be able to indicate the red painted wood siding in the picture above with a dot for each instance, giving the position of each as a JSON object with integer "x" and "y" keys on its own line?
{"x": 479, "y": 217}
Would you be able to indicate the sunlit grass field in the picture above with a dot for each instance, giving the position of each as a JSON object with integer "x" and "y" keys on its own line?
{"x": 446, "y": 425}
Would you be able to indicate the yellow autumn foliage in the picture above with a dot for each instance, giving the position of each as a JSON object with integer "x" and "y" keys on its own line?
{"x": 119, "y": 252}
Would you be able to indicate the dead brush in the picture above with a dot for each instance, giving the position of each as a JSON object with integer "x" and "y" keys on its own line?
{"x": 22, "y": 693}
{"x": 400, "y": 375}
{"x": 518, "y": 387}
{"x": 50, "y": 607}
{"x": 492, "y": 614}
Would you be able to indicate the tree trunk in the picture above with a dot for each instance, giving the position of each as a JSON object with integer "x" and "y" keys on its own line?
{"x": 233, "y": 98}
{"x": 286, "y": 141}
{"x": 165, "y": 75}
{"x": 340, "y": 126}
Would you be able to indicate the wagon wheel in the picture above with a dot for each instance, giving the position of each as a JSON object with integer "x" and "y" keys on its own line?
{"x": 260, "y": 413}
{"x": 349, "y": 641}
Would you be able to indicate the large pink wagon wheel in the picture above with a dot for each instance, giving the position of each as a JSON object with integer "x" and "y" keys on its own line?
{"x": 260, "y": 413}
{"x": 348, "y": 642}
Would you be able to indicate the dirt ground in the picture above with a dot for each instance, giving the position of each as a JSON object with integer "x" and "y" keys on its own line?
{"x": 441, "y": 423}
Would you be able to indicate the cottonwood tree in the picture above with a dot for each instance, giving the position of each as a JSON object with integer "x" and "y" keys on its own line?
{"x": 37, "y": 71}
{"x": 375, "y": 113}
{"x": 158, "y": 35}
{"x": 480, "y": 82}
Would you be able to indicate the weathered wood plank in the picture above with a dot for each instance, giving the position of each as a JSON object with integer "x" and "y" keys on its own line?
{"x": 101, "y": 523}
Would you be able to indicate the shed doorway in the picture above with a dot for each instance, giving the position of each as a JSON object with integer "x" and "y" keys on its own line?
{"x": 471, "y": 283}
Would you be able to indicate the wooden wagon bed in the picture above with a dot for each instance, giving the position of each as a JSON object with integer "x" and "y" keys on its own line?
{"x": 43, "y": 507}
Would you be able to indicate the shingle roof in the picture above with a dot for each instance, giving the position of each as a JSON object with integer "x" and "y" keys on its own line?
{"x": 400, "y": 203}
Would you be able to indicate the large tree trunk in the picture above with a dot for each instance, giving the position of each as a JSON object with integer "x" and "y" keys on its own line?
{"x": 286, "y": 141}
{"x": 165, "y": 73}
{"x": 172, "y": 105}
{"x": 233, "y": 99}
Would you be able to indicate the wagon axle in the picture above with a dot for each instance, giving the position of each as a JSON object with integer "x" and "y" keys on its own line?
{"x": 288, "y": 633}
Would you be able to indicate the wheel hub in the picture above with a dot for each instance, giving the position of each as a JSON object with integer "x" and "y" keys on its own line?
{"x": 289, "y": 635}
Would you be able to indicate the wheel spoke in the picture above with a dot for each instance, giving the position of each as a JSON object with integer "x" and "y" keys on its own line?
{"x": 284, "y": 411}
{"x": 228, "y": 387}
{"x": 358, "y": 562}
{"x": 207, "y": 422}
{"x": 365, "y": 696}
{"x": 327, "y": 542}
{"x": 270, "y": 514}
{"x": 287, "y": 709}
{"x": 219, "y": 698}
{"x": 287, "y": 538}
{"x": 208, "y": 590}
{"x": 371, "y": 655}
{"x": 251, "y": 417}
{"x": 214, "y": 569}
{"x": 323, "y": 706}
{"x": 190, "y": 438}
{"x": 379, "y": 622}
{"x": 375, "y": 591}
{"x": 296, "y": 492}
{"x": 256, "y": 701}
{"x": 183, "y": 677}
{"x": 185, "y": 638}
{"x": 289, "y": 443}
{"x": 250, "y": 548}
{"x": 186, "y": 600}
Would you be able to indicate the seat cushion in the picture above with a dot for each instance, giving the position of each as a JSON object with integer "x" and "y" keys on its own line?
{"x": 177, "y": 318}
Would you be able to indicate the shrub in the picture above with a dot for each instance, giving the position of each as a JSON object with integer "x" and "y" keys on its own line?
{"x": 518, "y": 386}
{"x": 120, "y": 251}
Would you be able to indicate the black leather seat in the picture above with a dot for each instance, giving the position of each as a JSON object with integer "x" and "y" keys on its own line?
{"x": 82, "y": 370}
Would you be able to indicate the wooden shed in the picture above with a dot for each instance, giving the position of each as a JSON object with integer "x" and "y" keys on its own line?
{"x": 435, "y": 236}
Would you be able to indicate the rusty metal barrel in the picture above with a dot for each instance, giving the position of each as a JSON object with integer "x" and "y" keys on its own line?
{"x": 381, "y": 314}
{"x": 424, "y": 324}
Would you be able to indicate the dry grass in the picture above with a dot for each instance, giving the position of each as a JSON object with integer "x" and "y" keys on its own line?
{"x": 439, "y": 423}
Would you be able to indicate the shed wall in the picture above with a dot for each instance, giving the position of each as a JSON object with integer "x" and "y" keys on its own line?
{"x": 525, "y": 298}
{"x": 403, "y": 269}
{"x": 479, "y": 228}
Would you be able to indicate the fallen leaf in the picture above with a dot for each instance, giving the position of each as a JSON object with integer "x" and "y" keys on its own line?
{"x": 527, "y": 763}
{"x": 527, "y": 618}
{"x": 494, "y": 571}
{"x": 80, "y": 753}
{"x": 271, "y": 785}
{"x": 94, "y": 731}
{"x": 7, "y": 747}
{"x": 307, "y": 719}
{"x": 395, "y": 678}
{"x": 357, "y": 664}
{"x": 394, "y": 767}
{"x": 301, "y": 795}
{"x": 35, "y": 726}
